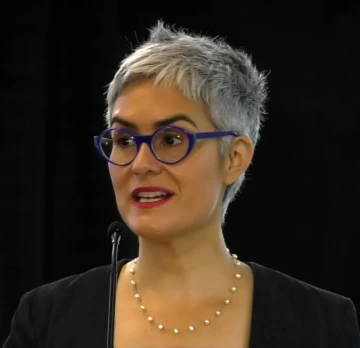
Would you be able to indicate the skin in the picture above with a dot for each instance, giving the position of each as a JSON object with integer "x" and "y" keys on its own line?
{"x": 180, "y": 242}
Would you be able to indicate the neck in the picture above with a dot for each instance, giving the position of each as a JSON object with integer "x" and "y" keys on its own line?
{"x": 194, "y": 264}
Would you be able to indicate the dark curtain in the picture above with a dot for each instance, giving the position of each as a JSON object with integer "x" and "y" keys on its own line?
{"x": 298, "y": 211}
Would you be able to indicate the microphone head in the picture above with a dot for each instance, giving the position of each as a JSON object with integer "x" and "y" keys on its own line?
{"x": 116, "y": 226}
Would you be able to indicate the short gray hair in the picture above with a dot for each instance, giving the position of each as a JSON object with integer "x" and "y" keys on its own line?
{"x": 204, "y": 69}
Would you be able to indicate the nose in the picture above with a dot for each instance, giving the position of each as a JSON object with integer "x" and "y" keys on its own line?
{"x": 145, "y": 162}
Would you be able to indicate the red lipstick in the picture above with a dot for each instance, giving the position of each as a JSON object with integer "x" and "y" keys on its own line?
{"x": 147, "y": 197}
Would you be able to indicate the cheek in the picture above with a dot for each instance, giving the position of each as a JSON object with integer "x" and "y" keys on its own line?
{"x": 118, "y": 180}
{"x": 113, "y": 174}
{"x": 203, "y": 181}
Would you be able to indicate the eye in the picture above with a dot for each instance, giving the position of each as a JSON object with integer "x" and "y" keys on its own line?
{"x": 172, "y": 139}
{"x": 122, "y": 140}
{"x": 125, "y": 142}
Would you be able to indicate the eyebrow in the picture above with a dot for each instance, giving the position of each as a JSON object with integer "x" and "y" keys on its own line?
{"x": 161, "y": 123}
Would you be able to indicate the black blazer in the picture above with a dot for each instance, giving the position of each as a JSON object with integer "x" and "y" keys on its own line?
{"x": 72, "y": 313}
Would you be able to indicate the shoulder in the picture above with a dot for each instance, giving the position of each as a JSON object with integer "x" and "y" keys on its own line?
{"x": 72, "y": 283}
{"x": 90, "y": 282}
{"x": 284, "y": 284}
{"x": 56, "y": 305}
{"x": 297, "y": 303}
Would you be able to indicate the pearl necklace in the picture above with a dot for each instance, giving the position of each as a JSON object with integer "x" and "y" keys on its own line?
{"x": 190, "y": 328}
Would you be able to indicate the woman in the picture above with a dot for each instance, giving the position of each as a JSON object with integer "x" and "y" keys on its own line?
{"x": 184, "y": 114}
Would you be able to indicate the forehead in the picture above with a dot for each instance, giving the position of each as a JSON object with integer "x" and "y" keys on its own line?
{"x": 142, "y": 102}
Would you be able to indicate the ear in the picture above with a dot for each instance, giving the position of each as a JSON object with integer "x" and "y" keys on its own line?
{"x": 238, "y": 159}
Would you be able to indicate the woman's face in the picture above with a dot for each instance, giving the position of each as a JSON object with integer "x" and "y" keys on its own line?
{"x": 196, "y": 183}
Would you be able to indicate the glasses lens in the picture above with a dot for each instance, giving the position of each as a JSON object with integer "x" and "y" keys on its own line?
{"x": 170, "y": 145}
{"x": 118, "y": 146}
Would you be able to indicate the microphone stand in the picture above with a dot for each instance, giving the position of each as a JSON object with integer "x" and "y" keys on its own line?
{"x": 115, "y": 239}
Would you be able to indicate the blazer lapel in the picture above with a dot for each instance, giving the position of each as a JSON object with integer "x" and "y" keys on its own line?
{"x": 269, "y": 327}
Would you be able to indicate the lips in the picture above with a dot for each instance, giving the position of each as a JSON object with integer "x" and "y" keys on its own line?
{"x": 150, "y": 191}
{"x": 150, "y": 197}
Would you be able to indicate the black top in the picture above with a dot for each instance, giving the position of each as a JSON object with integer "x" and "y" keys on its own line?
{"x": 72, "y": 312}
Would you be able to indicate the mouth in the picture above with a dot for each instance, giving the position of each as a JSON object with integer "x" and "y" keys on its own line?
{"x": 150, "y": 197}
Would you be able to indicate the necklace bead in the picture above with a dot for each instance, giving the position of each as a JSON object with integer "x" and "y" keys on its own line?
{"x": 191, "y": 328}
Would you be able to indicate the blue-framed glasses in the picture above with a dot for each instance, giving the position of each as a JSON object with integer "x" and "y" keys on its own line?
{"x": 169, "y": 145}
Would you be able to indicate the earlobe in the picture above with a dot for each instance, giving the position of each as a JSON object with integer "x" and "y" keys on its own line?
{"x": 239, "y": 158}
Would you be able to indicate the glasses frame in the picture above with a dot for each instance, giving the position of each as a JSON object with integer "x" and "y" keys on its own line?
{"x": 148, "y": 139}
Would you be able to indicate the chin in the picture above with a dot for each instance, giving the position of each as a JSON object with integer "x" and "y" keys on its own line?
{"x": 160, "y": 229}
{"x": 158, "y": 235}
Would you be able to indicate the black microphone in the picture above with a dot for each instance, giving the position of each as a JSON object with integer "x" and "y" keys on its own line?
{"x": 115, "y": 232}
